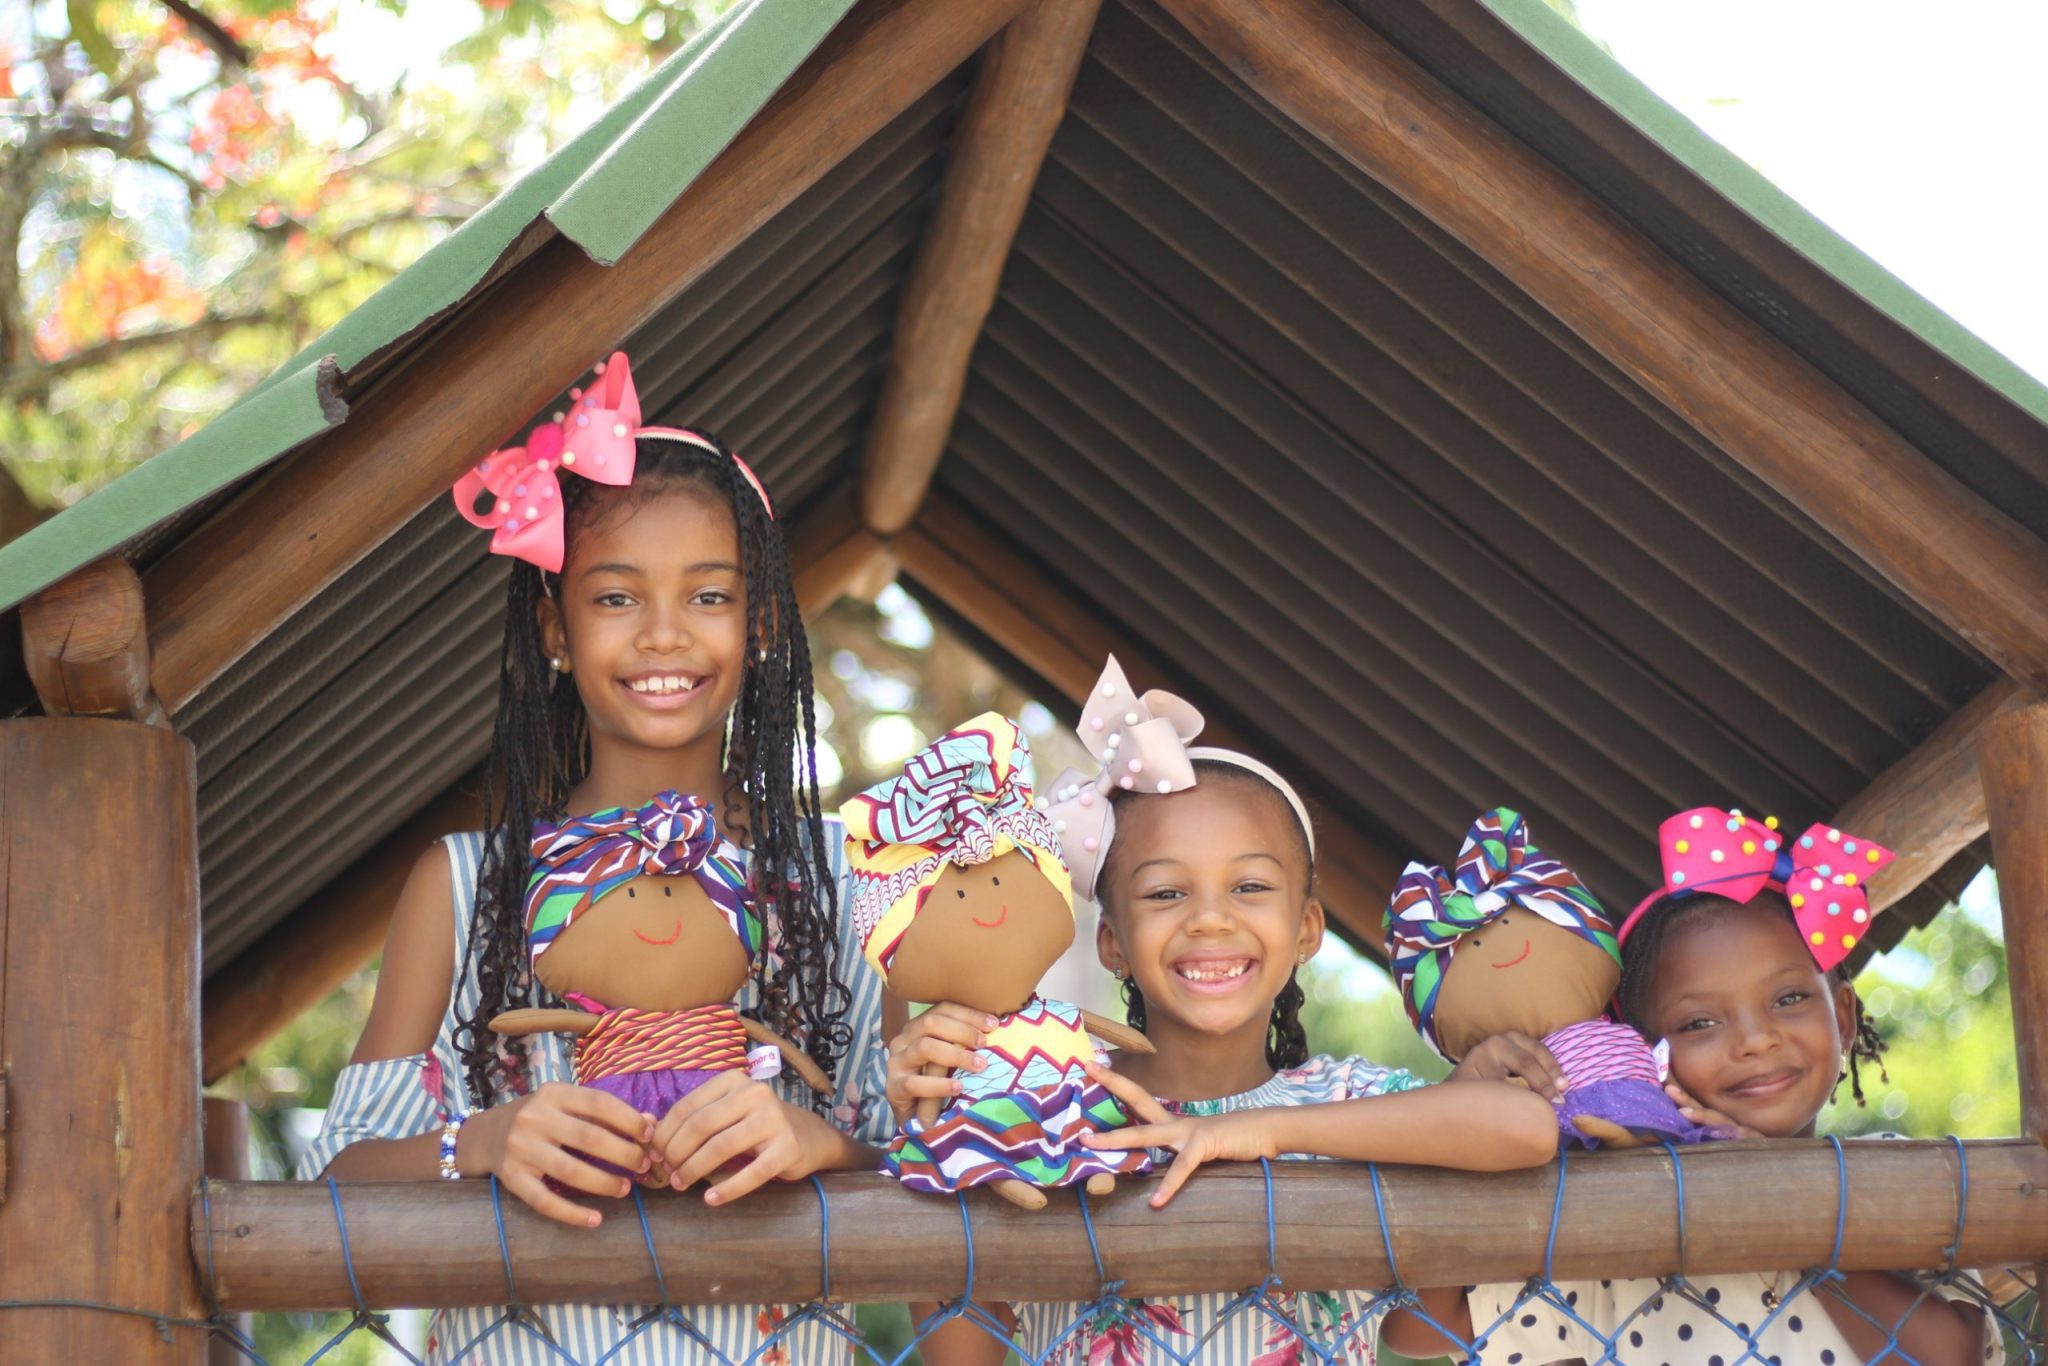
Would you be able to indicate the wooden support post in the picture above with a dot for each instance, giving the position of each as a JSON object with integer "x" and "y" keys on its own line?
{"x": 1017, "y": 607}
{"x": 831, "y": 555}
{"x": 85, "y": 647}
{"x": 408, "y": 440}
{"x": 1929, "y": 806}
{"x": 1750, "y": 1207}
{"x": 99, "y": 995}
{"x": 1945, "y": 547}
{"x": 227, "y": 1159}
{"x": 1020, "y": 95}
{"x": 2013, "y": 755}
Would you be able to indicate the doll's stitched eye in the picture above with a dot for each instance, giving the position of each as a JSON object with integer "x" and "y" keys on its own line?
{"x": 995, "y": 882}
{"x": 668, "y": 891}
{"x": 960, "y": 892}
{"x": 629, "y": 892}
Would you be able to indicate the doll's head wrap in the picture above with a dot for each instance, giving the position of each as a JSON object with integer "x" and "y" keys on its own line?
{"x": 1498, "y": 870}
{"x": 964, "y": 799}
{"x": 577, "y": 862}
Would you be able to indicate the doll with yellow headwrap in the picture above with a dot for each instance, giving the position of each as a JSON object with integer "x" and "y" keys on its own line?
{"x": 961, "y": 894}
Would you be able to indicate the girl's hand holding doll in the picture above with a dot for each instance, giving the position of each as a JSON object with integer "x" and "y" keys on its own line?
{"x": 733, "y": 1117}
{"x": 543, "y": 1134}
{"x": 1240, "y": 1136}
{"x": 929, "y": 1050}
{"x": 1514, "y": 1057}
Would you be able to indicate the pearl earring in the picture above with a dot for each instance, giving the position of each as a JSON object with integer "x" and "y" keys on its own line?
{"x": 555, "y": 663}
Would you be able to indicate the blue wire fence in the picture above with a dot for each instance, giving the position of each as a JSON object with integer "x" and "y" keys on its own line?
{"x": 1292, "y": 1326}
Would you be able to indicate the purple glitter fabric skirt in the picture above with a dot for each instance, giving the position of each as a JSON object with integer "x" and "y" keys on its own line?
{"x": 651, "y": 1093}
{"x": 1641, "y": 1107}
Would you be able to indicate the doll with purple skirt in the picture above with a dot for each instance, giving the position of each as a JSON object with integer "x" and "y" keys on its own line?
{"x": 1510, "y": 944}
{"x": 640, "y": 920}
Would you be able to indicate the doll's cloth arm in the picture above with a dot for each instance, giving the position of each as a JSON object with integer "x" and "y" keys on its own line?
{"x": 797, "y": 1060}
{"x": 1122, "y": 1035}
{"x": 530, "y": 1021}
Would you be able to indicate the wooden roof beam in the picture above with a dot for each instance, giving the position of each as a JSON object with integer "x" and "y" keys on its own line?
{"x": 86, "y": 647}
{"x": 1939, "y": 543}
{"x": 1019, "y": 97}
{"x": 1929, "y": 806}
{"x": 329, "y": 938}
{"x": 1017, "y": 607}
{"x": 427, "y": 422}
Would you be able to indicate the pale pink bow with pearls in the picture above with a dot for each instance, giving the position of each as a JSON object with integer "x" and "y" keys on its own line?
{"x": 594, "y": 438}
{"x": 1141, "y": 742}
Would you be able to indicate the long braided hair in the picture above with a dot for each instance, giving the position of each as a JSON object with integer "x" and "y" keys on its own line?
{"x": 540, "y": 750}
{"x": 1646, "y": 944}
{"x": 1286, "y": 1040}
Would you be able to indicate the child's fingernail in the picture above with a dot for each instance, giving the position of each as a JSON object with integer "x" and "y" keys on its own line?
{"x": 624, "y": 1186}
{"x": 711, "y": 1197}
{"x": 958, "y": 1086}
{"x": 593, "y": 1219}
{"x": 990, "y": 1022}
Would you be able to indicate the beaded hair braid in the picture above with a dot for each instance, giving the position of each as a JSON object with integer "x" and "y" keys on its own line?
{"x": 1286, "y": 1040}
{"x": 1641, "y": 950}
{"x": 540, "y": 750}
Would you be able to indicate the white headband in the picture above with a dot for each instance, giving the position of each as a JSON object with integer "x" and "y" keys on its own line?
{"x": 1259, "y": 770}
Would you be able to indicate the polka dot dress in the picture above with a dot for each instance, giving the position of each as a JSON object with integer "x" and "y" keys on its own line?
{"x": 1671, "y": 1330}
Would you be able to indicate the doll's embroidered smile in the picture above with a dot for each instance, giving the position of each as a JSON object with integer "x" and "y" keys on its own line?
{"x": 1001, "y": 916}
{"x": 1518, "y": 957}
{"x": 673, "y": 935}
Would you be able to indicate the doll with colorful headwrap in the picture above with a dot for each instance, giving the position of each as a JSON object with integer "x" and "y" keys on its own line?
{"x": 1511, "y": 941}
{"x": 960, "y": 894}
{"x": 640, "y": 920}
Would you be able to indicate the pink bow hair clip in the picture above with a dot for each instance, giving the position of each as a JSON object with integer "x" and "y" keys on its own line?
{"x": 1142, "y": 744}
{"x": 594, "y": 438}
{"x": 1823, "y": 873}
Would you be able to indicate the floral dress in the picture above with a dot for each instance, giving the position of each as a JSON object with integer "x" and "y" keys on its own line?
{"x": 1142, "y": 1332}
{"x": 402, "y": 1097}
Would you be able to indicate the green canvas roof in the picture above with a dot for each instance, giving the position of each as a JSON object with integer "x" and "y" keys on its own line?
{"x": 601, "y": 190}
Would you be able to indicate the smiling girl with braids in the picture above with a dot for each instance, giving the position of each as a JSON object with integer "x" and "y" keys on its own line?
{"x": 653, "y": 746}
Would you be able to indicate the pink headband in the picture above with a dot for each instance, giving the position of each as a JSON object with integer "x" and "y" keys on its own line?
{"x": 1822, "y": 874}
{"x": 594, "y": 438}
{"x": 1142, "y": 744}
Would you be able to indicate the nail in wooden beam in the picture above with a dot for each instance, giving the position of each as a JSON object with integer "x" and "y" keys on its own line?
{"x": 1948, "y": 549}
{"x": 1019, "y": 97}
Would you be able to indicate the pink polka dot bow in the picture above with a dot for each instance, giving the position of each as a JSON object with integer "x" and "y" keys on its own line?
{"x": 1824, "y": 873}
{"x": 594, "y": 438}
{"x": 1142, "y": 743}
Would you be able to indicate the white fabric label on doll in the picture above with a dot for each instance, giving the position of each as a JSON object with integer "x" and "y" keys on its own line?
{"x": 1662, "y": 1053}
{"x": 764, "y": 1063}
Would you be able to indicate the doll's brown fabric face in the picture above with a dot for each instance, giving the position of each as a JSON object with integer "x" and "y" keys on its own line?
{"x": 984, "y": 936}
{"x": 656, "y": 943}
{"x": 1523, "y": 973}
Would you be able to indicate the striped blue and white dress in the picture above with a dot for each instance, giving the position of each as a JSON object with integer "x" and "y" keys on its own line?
{"x": 402, "y": 1097}
{"x": 1153, "y": 1332}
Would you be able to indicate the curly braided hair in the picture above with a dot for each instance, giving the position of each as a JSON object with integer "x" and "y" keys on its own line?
{"x": 1646, "y": 944}
{"x": 1286, "y": 1040}
{"x": 540, "y": 750}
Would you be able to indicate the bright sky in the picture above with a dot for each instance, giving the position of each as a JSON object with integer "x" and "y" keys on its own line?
{"x": 1915, "y": 128}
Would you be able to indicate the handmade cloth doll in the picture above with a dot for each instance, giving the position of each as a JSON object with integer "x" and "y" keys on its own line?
{"x": 1823, "y": 874}
{"x": 1511, "y": 940}
{"x": 640, "y": 919}
{"x": 960, "y": 894}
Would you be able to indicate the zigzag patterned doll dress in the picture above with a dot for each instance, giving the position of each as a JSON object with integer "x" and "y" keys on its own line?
{"x": 1022, "y": 1116}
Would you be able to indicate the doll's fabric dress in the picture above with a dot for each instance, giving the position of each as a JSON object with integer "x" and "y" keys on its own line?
{"x": 1612, "y": 1074}
{"x": 403, "y": 1097}
{"x": 1022, "y": 1116}
{"x": 1170, "y": 1329}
